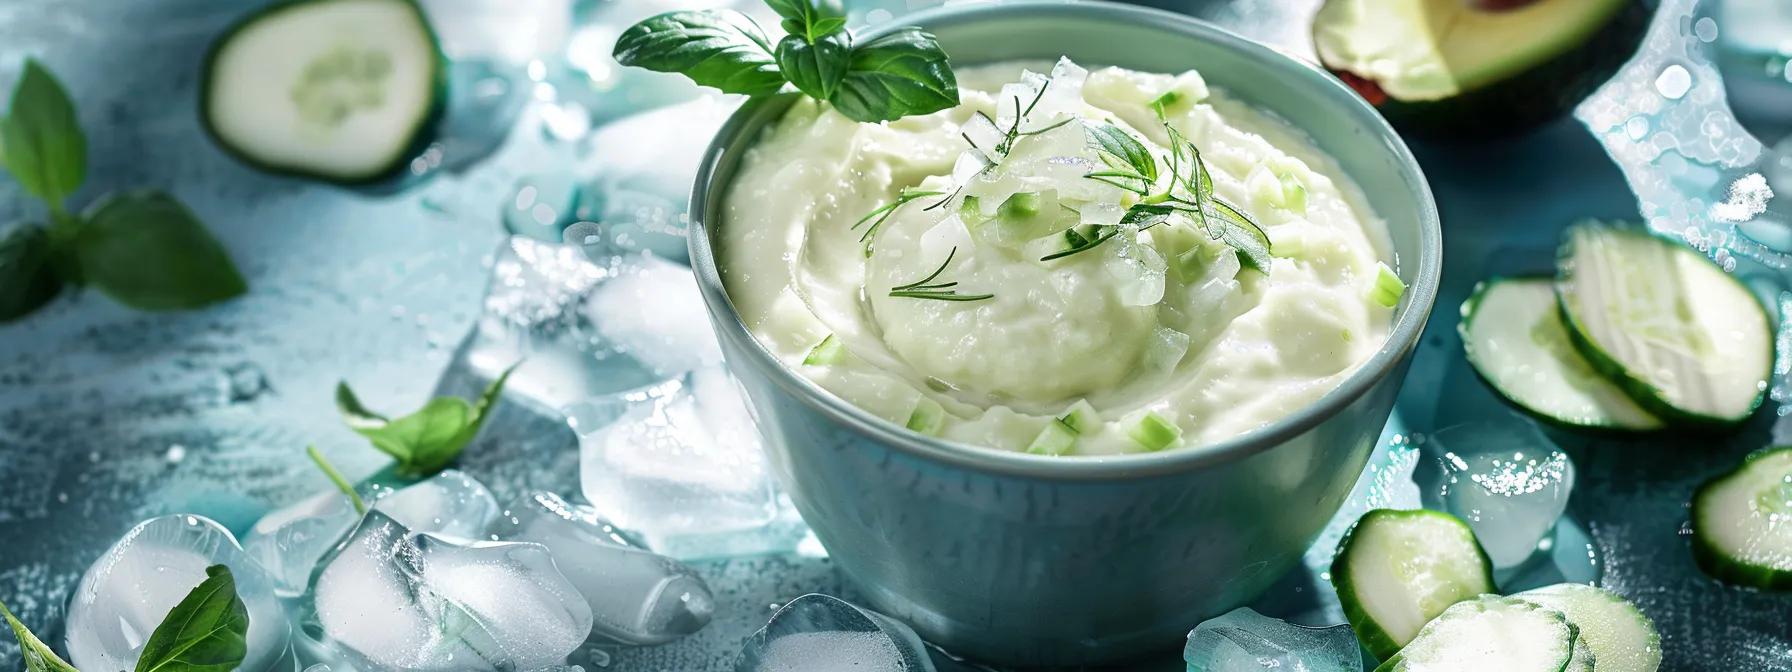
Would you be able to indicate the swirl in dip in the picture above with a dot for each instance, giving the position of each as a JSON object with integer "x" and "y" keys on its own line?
{"x": 1022, "y": 304}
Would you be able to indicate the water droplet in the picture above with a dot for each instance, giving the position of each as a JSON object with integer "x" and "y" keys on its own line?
{"x": 175, "y": 454}
{"x": 1674, "y": 82}
{"x": 1706, "y": 29}
{"x": 1637, "y": 127}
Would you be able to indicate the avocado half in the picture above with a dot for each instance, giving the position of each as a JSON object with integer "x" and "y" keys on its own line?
{"x": 1477, "y": 68}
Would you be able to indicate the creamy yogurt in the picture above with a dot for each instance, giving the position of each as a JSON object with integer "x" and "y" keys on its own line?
{"x": 970, "y": 313}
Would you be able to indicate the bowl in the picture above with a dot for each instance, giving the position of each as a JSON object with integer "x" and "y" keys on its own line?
{"x": 1033, "y": 560}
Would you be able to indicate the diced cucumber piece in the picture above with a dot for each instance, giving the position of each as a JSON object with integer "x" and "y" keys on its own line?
{"x": 1153, "y": 432}
{"x": 1276, "y": 188}
{"x": 927, "y": 418}
{"x": 1494, "y": 634}
{"x": 1683, "y": 338}
{"x": 1620, "y": 637}
{"x": 1396, "y": 570}
{"x": 1081, "y": 417}
{"x": 1056, "y": 439}
{"x": 1513, "y": 335}
{"x": 1742, "y": 522}
{"x": 1388, "y": 288}
{"x": 1023, "y": 216}
{"x": 970, "y": 210}
{"x": 341, "y": 90}
{"x": 828, "y": 351}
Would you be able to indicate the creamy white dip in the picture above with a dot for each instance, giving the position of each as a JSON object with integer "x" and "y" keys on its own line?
{"x": 1153, "y": 339}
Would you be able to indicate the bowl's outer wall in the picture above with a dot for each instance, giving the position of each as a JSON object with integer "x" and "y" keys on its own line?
{"x": 1028, "y": 570}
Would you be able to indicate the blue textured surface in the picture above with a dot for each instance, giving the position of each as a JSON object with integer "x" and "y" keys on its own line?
{"x": 94, "y": 399}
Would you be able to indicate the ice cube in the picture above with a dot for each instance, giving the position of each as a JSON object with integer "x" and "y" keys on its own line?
{"x": 636, "y": 597}
{"x": 364, "y": 605}
{"x": 1505, "y": 479}
{"x": 676, "y": 462}
{"x": 651, "y": 309}
{"x": 127, "y": 592}
{"x": 541, "y": 205}
{"x": 1243, "y": 640}
{"x": 638, "y": 179}
{"x": 389, "y": 598}
{"x": 1697, "y": 173}
{"x": 534, "y": 313}
{"x": 818, "y": 633}
{"x": 449, "y": 504}
{"x": 526, "y": 615}
{"x": 290, "y": 541}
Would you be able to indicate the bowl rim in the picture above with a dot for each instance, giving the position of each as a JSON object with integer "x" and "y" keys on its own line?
{"x": 1409, "y": 325}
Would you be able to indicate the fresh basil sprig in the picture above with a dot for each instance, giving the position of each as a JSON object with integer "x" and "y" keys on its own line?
{"x": 900, "y": 74}
{"x": 428, "y": 440}
{"x": 207, "y": 632}
{"x": 143, "y": 249}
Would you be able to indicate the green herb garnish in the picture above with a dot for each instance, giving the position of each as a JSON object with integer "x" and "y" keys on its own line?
{"x": 38, "y": 655}
{"x": 143, "y": 249}
{"x": 335, "y": 477}
{"x": 206, "y": 632}
{"x": 1013, "y": 133}
{"x": 877, "y": 217}
{"x": 428, "y": 440}
{"x": 1189, "y": 191}
{"x": 899, "y": 74}
{"x": 942, "y": 291}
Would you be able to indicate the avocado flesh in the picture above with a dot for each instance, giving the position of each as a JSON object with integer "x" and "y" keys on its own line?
{"x": 1426, "y": 50}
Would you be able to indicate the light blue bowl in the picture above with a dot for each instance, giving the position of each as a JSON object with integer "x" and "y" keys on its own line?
{"x": 1031, "y": 560}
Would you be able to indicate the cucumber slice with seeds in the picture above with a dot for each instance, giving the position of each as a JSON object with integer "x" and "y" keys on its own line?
{"x": 342, "y": 90}
{"x": 1742, "y": 522}
{"x": 1495, "y": 634}
{"x": 1513, "y": 335}
{"x": 1620, "y": 637}
{"x": 1396, "y": 570}
{"x": 1684, "y": 339}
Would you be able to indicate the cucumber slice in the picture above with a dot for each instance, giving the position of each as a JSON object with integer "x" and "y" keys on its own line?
{"x": 1621, "y": 638}
{"x": 1683, "y": 338}
{"x": 1742, "y": 522}
{"x": 1396, "y": 570}
{"x": 1494, "y": 634}
{"x": 1513, "y": 335}
{"x": 341, "y": 90}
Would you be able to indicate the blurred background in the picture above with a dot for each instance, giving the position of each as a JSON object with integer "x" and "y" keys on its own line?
{"x": 431, "y": 282}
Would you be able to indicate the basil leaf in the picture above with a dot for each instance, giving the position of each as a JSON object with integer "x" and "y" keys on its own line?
{"x": 206, "y": 632}
{"x": 41, "y": 136}
{"x": 808, "y": 19}
{"x": 900, "y": 74}
{"x": 428, "y": 440}
{"x": 1122, "y": 147}
{"x": 720, "y": 48}
{"x": 147, "y": 251}
{"x": 816, "y": 68}
{"x": 38, "y": 656}
{"x": 27, "y": 279}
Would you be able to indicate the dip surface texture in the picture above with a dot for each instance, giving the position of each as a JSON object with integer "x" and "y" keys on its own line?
{"x": 1011, "y": 301}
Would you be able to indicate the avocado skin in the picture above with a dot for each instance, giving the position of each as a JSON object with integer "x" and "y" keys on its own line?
{"x": 1523, "y": 102}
